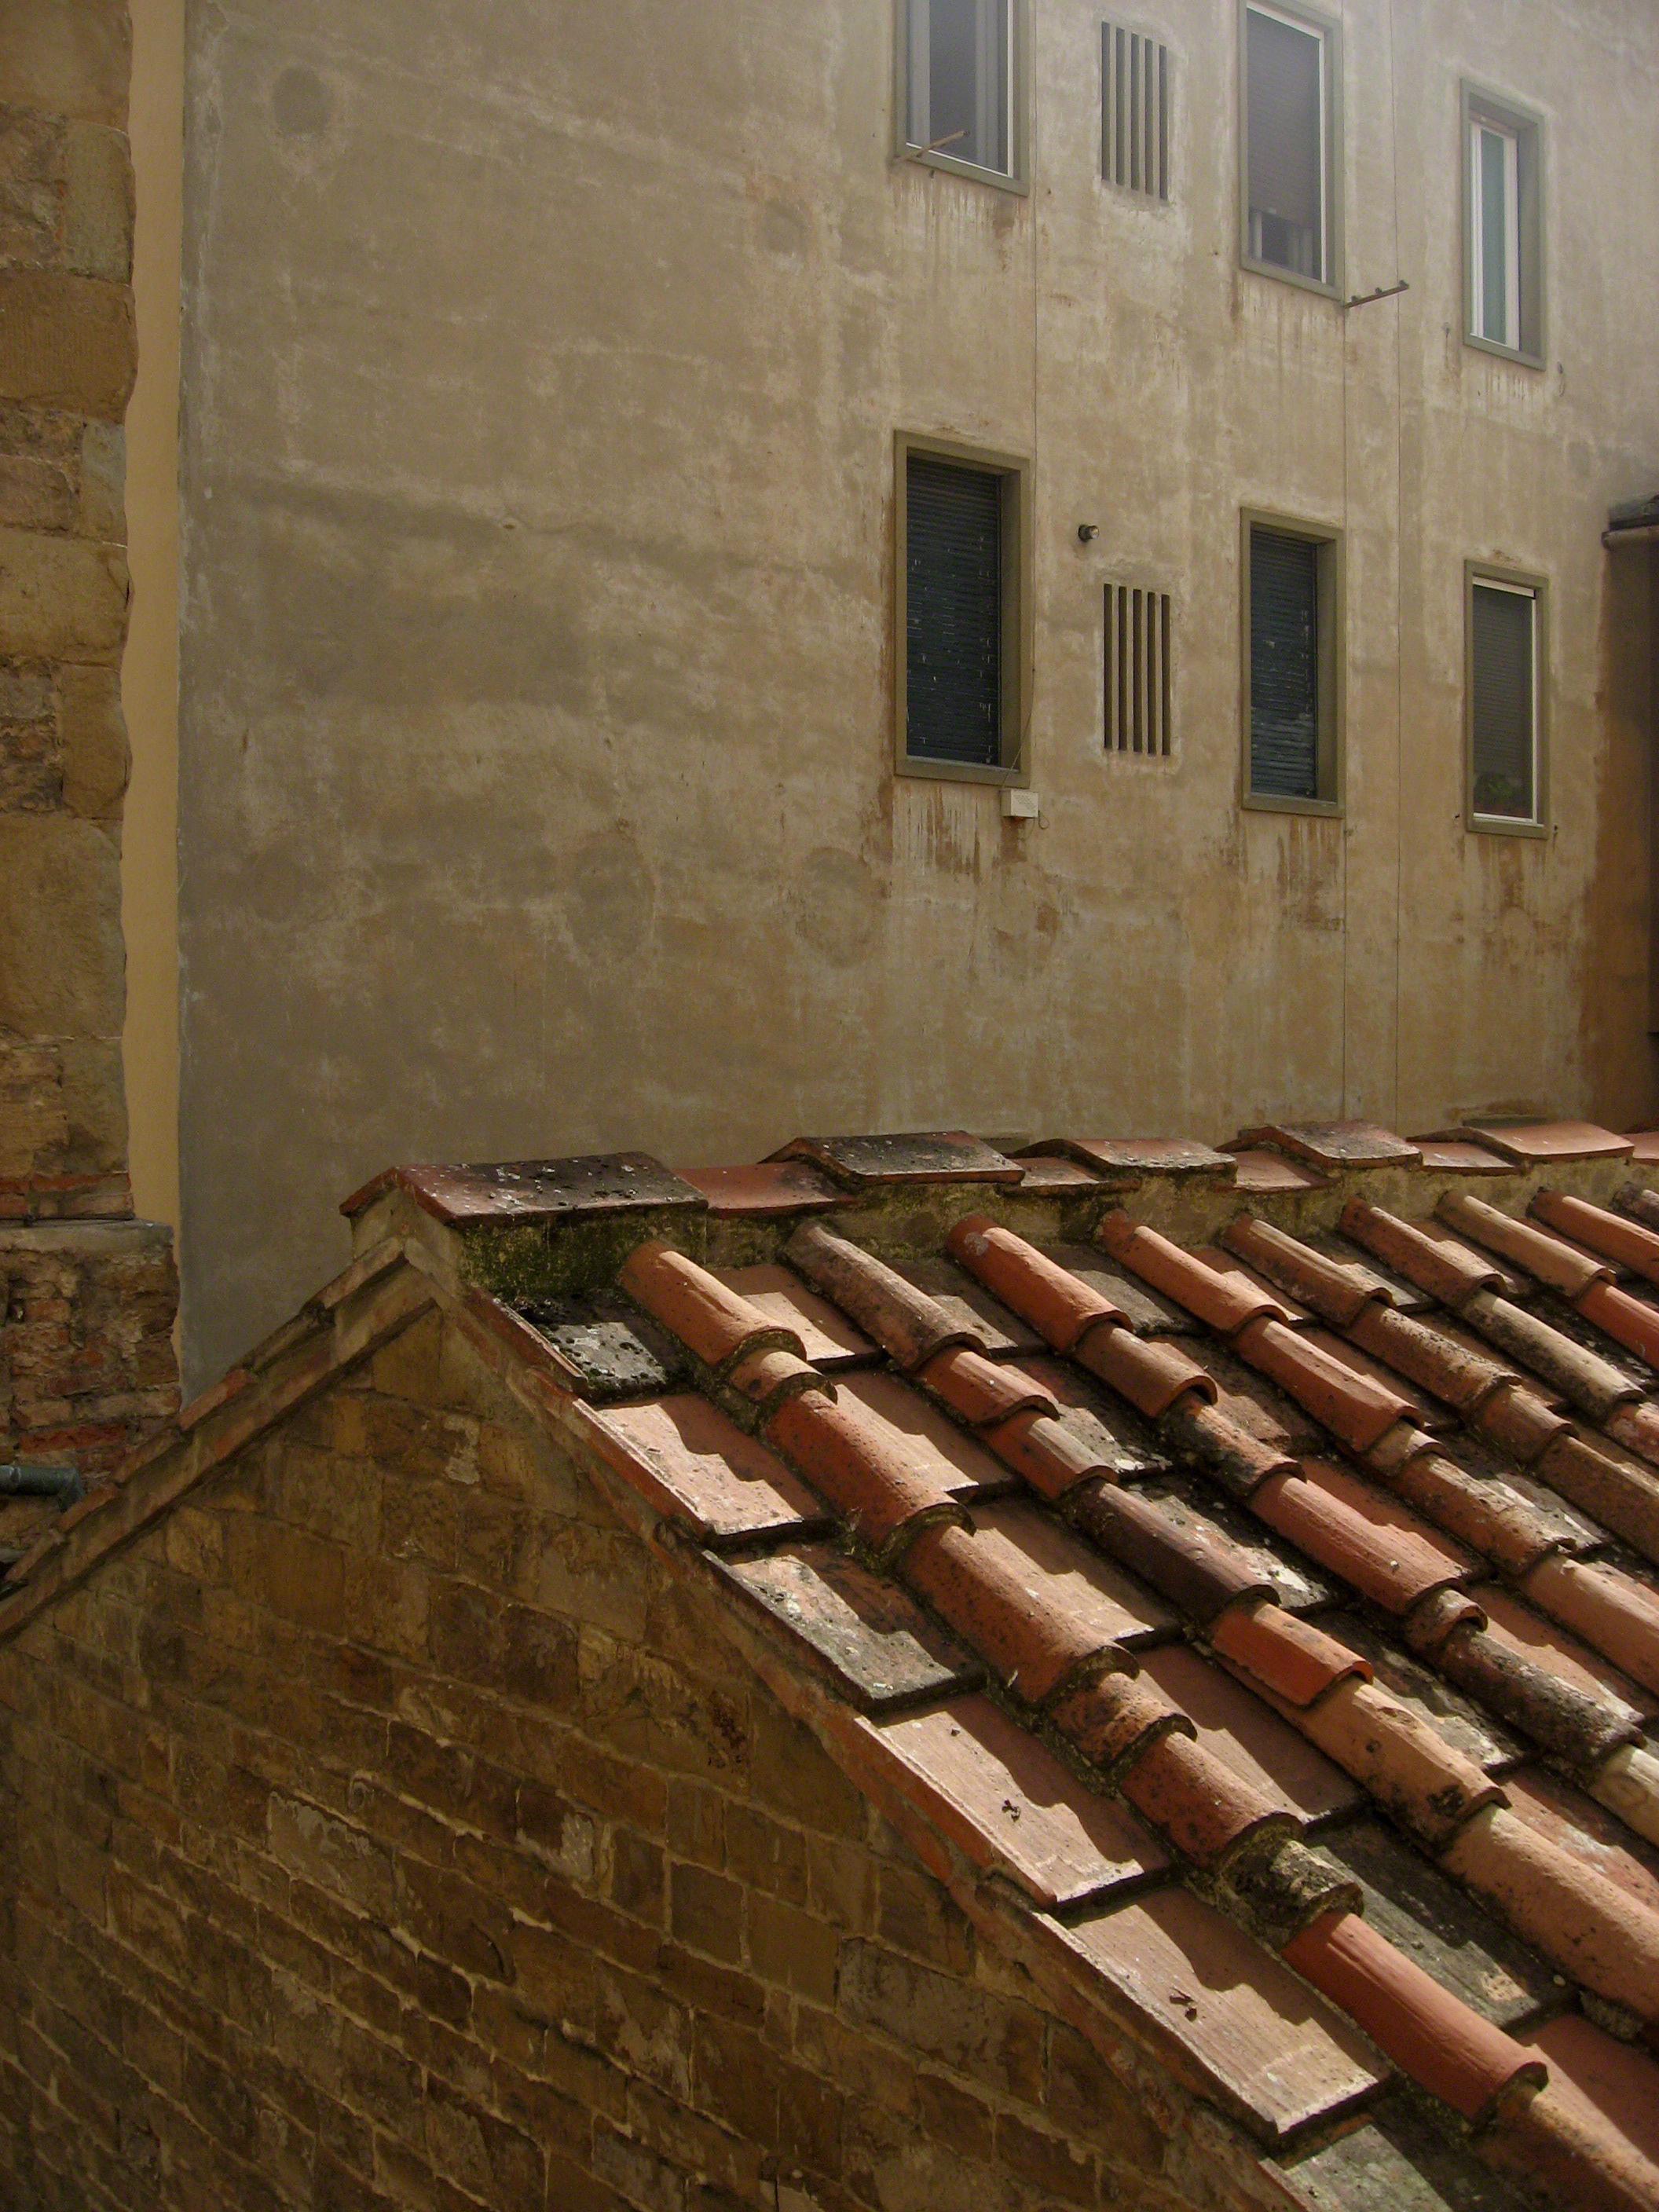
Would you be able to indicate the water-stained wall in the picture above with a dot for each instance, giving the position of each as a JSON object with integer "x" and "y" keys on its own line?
{"x": 543, "y": 364}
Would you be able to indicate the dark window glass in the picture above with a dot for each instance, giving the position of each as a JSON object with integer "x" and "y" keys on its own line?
{"x": 953, "y": 613}
{"x": 959, "y": 80}
{"x": 1283, "y": 115}
{"x": 1284, "y": 666}
{"x": 1503, "y": 708}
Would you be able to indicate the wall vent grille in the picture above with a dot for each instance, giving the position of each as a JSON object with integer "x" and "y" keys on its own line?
{"x": 1139, "y": 676}
{"x": 1135, "y": 135}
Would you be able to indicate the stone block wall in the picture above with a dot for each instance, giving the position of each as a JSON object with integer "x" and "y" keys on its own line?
{"x": 387, "y": 1828}
{"x": 85, "y": 1346}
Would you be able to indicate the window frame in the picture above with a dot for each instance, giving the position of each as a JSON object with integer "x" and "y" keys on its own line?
{"x": 1525, "y": 125}
{"x": 1331, "y": 587}
{"x": 1015, "y": 471}
{"x": 1328, "y": 29}
{"x": 1520, "y": 581}
{"x": 1016, "y": 177}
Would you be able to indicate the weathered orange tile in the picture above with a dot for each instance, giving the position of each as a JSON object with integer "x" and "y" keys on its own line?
{"x": 1353, "y": 1406}
{"x": 1539, "y": 1144}
{"x": 908, "y": 1324}
{"x": 1627, "y": 1243}
{"x": 1222, "y": 1299}
{"x": 979, "y": 1391}
{"x": 1200, "y": 1803}
{"x": 1384, "y": 1551}
{"x": 1337, "y": 1293}
{"x": 1267, "y": 1174}
{"x": 771, "y": 1188}
{"x": 1559, "y": 1654}
{"x": 708, "y": 1319}
{"x": 967, "y": 1305}
{"x": 1331, "y": 1145}
{"x": 828, "y": 1339}
{"x": 1187, "y": 1559}
{"x": 1007, "y": 1803}
{"x": 1588, "y": 1832}
{"x": 1247, "y": 1737}
{"x": 1298, "y": 1662}
{"x": 931, "y": 1155}
{"x": 1427, "y": 1409}
{"x": 1069, "y": 1577}
{"x": 1231, "y": 2019}
{"x": 1457, "y": 1156}
{"x": 1534, "y": 1251}
{"x": 863, "y": 1465}
{"x": 1117, "y": 1157}
{"x": 1614, "y": 2084}
{"x": 1041, "y": 1291}
{"x": 1443, "y": 2045}
{"x": 697, "y": 1466}
{"x": 951, "y": 1460}
{"x": 985, "y": 1588}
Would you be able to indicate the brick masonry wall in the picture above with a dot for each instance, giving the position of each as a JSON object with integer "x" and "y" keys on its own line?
{"x": 385, "y": 1828}
{"x": 86, "y": 1358}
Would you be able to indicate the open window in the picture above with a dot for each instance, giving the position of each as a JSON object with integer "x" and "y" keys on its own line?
{"x": 1503, "y": 226}
{"x": 1505, "y": 738}
{"x": 961, "y": 72}
{"x": 1291, "y": 690}
{"x": 1289, "y": 138}
{"x": 961, "y": 612}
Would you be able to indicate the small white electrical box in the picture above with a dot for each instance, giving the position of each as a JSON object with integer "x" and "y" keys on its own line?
{"x": 1020, "y": 805}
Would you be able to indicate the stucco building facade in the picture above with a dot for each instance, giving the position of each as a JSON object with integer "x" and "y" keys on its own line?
{"x": 543, "y": 372}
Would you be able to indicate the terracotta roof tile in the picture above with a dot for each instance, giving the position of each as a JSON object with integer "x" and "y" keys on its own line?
{"x": 1336, "y": 1292}
{"x": 1072, "y": 1577}
{"x": 766, "y": 1377}
{"x": 1332, "y": 1144}
{"x": 1282, "y": 1304}
{"x": 1539, "y": 1144}
{"x": 1644, "y": 1148}
{"x": 712, "y": 1322}
{"x": 1044, "y": 1174}
{"x": 1585, "y": 1380}
{"x": 1188, "y": 1560}
{"x": 1056, "y": 1303}
{"x": 1197, "y": 1802}
{"x": 1366, "y": 1268}
{"x": 827, "y": 1337}
{"x": 879, "y": 1649}
{"x": 1561, "y": 1655}
{"x": 1406, "y": 1764}
{"x": 1430, "y": 2034}
{"x": 867, "y": 1470}
{"x": 1592, "y": 1930}
{"x": 1053, "y": 1455}
{"x": 1270, "y": 1174}
{"x": 1008, "y": 1802}
{"x": 1350, "y": 1404}
{"x": 1227, "y": 2014}
{"x": 1119, "y": 1158}
{"x": 1629, "y": 1322}
{"x": 605, "y": 1352}
{"x": 1248, "y": 1737}
{"x": 605, "y": 1185}
{"x": 934, "y": 1156}
{"x": 1533, "y": 1250}
{"x": 1619, "y": 1491}
{"x": 1628, "y": 1243}
{"x": 1103, "y": 1421}
{"x": 1458, "y": 1374}
{"x": 1617, "y": 2087}
{"x": 1429, "y": 1918}
{"x": 1424, "y": 1405}
{"x": 1437, "y": 1264}
{"x": 1153, "y": 1376}
{"x": 1490, "y": 1517}
{"x": 1615, "y": 1615}
{"x": 1457, "y": 1156}
{"x": 979, "y": 1391}
{"x": 1475, "y": 1734}
{"x": 1146, "y": 1313}
{"x": 772, "y": 1187}
{"x": 1289, "y": 1657}
{"x": 1038, "y": 1622}
{"x": 908, "y": 1324}
{"x": 952, "y": 1460}
{"x": 1225, "y": 1301}
{"x": 1110, "y": 1719}
{"x": 965, "y": 1302}
{"x": 698, "y": 1468}
{"x": 1192, "y": 1502}
{"x": 1256, "y": 1405}
{"x": 1387, "y": 1554}
{"x": 1556, "y": 1809}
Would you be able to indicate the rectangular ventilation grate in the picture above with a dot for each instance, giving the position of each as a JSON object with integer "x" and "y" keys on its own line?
{"x": 1135, "y": 101}
{"x": 1138, "y": 671}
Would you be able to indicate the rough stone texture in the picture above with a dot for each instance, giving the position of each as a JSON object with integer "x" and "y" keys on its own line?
{"x": 384, "y": 1829}
{"x": 86, "y": 1361}
{"x": 544, "y": 367}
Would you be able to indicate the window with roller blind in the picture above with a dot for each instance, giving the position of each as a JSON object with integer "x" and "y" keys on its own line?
{"x": 1503, "y": 228}
{"x": 1291, "y": 618}
{"x": 1289, "y": 72}
{"x": 1504, "y": 717}
{"x": 961, "y": 614}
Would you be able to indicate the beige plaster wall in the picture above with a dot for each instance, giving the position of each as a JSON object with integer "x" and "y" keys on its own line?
{"x": 543, "y": 364}
{"x": 149, "y": 669}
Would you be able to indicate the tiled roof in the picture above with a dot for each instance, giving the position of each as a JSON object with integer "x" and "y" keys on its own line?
{"x": 1235, "y": 1571}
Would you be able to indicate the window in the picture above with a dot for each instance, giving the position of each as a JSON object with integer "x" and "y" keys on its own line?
{"x": 1292, "y": 597}
{"x": 1505, "y": 702}
{"x": 1502, "y": 179}
{"x": 1137, "y": 686}
{"x": 1134, "y": 112}
{"x": 961, "y": 85}
{"x": 961, "y": 616}
{"x": 1288, "y": 140}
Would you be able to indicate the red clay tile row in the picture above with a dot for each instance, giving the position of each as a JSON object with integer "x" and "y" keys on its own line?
{"x": 1404, "y": 1762}
{"x": 1627, "y": 1243}
{"x": 1587, "y": 1284}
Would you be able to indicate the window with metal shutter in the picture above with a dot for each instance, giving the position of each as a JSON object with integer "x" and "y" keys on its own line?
{"x": 953, "y": 612}
{"x": 1284, "y": 666}
{"x": 1502, "y": 709}
{"x": 1285, "y": 95}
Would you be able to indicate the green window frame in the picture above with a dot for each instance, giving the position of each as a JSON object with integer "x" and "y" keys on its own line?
{"x": 1290, "y": 195}
{"x": 923, "y": 744}
{"x": 1503, "y": 228}
{"x": 1505, "y": 711}
{"x": 960, "y": 89}
{"x": 1325, "y": 790}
